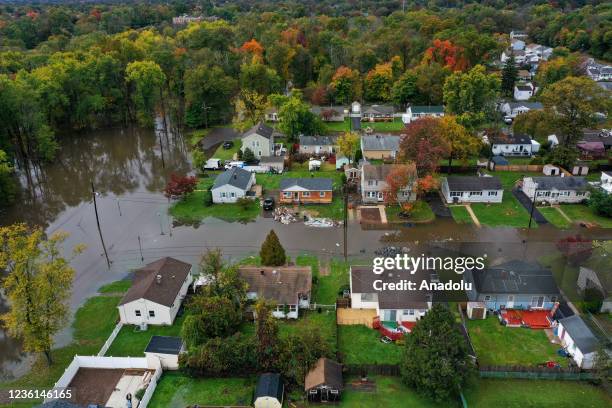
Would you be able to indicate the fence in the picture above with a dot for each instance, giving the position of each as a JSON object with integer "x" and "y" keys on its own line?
{"x": 146, "y": 398}
{"x": 538, "y": 373}
{"x": 391, "y": 370}
{"x": 315, "y": 306}
{"x": 110, "y": 339}
{"x": 536, "y": 168}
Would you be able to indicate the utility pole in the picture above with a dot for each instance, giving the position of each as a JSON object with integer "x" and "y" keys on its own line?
{"x": 161, "y": 148}
{"x": 345, "y": 226}
{"x": 93, "y": 193}
{"x": 535, "y": 194}
{"x": 119, "y": 207}
{"x": 205, "y": 109}
{"x": 140, "y": 246}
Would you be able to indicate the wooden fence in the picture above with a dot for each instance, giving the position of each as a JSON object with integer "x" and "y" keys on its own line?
{"x": 536, "y": 168}
{"x": 391, "y": 370}
{"x": 540, "y": 373}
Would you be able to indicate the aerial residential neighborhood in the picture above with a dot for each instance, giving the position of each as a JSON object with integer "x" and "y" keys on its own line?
{"x": 281, "y": 204}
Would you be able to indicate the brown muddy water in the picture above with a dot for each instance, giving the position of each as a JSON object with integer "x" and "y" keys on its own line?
{"x": 128, "y": 172}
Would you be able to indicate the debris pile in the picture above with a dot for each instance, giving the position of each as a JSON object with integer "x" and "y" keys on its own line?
{"x": 390, "y": 252}
{"x": 321, "y": 223}
{"x": 284, "y": 215}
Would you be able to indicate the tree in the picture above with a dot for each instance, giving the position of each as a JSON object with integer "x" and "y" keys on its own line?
{"x": 259, "y": 78}
{"x": 564, "y": 156}
{"x": 424, "y": 145}
{"x": 272, "y": 252}
{"x": 378, "y": 83}
{"x": 462, "y": 145}
{"x": 296, "y": 118}
{"x": 397, "y": 180}
{"x": 250, "y": 108}
{"x": 575, "y": 248}
{"x": 147, "y": 78}
{"x": 248, "y": 156}
{"x": 346, "y": 85}
{"x": 299, "y": 353}
{"x": 219, "y": 357}
{"x": 509, "y": 76}
{"x": 180, "y": 186}
{"x": 556, "y": 69}
{"x": 211, "y": 263}
{"x": 7, "y": 184}
{"x": 536, "y": 123}
{"x": 435, "y": 360}
{"x": 37, "y": 285}
{"x": 209, "y": 317}
{"x": 405, "y": 89}
{"x": 601, "y": 203}
{"x": 208, "y": 94}
{"x": 430, "y": 83}
{"x": 266, "y": 328}
{"x": 348, "y": 143}
{"x": 443, "y": 52}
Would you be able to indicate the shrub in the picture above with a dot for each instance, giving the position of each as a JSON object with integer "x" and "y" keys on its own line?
{"x": 272, "y": 252}
{"x": 208, "y": 201}
{"x": 244, "y": 203}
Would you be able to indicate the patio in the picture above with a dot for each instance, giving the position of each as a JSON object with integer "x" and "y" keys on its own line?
{"x": 534, "y": 319}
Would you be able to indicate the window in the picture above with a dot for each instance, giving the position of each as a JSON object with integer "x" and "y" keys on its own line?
{"x": 223, "y": 195}
{"x": 475, "y": 193}
{"x": 380, "y": 195}
{"x": 456, "y": 193}
{"x": 287, "y": 194}
{"x": 411, "y": 312}
{"x": 487, "y": 298}
{"x": 553, "y": 299}
{"x": 370, "y": 182}
{"x": 368, "y": 297}
{"x": 293, "y": 308}
{"x": 372, "y": 194}
{"x": 151, "y": 313}
{"x": 321, "y": 193}
{"x": 492, "y": 193}
{"x": 138, "y": 314}
{"x": 406, "y": 312}
{"x": 306, "y": 194}
{"x": 537, "y": 301}
{"x": 232, "y": 194}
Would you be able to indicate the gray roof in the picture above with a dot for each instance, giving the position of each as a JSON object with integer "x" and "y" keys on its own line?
{"x": 380, "y": 142}
{"x": 500, "y": 160}
{"x": 561, "y": 183}
{"x": 164, "y": 345}
{"x": 605, "y": 85}
{"x": 524, "y": 87}
{"x": 312, "y": 184}
{"x": 597, "y": 135}
{"x": 318, "y": 140}
{"x": 235, "y": 176}
{"x": 318, "y": 109}
{"x": 583, "y": 337}
{"x": 427, "y": 109}
{"x": 509, "y": 138}
{"x": 378, "y": 109}
{"x": 516, "y": 277}
{"x": 261, "y": 129}
{"x": 473, "y": 183}
{"x": 269, "y": 385}
{"x": 528, "y": 105}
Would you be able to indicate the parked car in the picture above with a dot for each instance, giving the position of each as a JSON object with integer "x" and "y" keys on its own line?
{"x": 228, "y": 144}
{"x": 268, "y": 204}
{"x": 233, "y": 164}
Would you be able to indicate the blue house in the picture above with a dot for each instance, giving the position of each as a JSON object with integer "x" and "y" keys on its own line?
{"x": 513, "y": 285}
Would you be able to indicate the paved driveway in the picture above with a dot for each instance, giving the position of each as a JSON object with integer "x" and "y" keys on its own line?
{"x": 218, "y": 135}
{"x": 526, "y": 202}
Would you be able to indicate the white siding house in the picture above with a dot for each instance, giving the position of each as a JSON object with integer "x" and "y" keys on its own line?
{"x": 416, "y": 112}
{"x": 472, "y": 189}
{"x": 260, "y": 140}
{"x": 606, "y": 181}
{"x": 512, "y": 145}
{"x": 579, "y": 341}
{"x": 231, "y": 185}
{"x": 556, "y": 189}
{"x": 523, "y": 92}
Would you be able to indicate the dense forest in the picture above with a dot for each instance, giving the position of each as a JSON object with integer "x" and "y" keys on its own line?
{"x": 88, "y": 65}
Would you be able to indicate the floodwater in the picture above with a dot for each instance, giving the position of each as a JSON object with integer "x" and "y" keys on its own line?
{"x": 129, "y": 171}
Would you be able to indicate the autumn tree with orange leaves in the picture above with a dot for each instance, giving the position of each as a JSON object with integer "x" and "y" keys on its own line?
{"x": 378, "y": 83}
{"x": 253, "y": 48}
{"x": 346, "y": 84}
{"x": 398, "y": 178}
{"x": 445, "y": 53}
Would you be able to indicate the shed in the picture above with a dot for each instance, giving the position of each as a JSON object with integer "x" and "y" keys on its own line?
{"x": 498, "y": 161}
{"x": 551, "y": 170}
{"x": 579, "y": 340}
{"x": 166, "y": 349}
{"x": 341, "y": 161}
{"x": 580, "y": 168}
{"x": 476, "y": 310}
{"x": 324, "y": 382}
{"x": 269, "y": 391}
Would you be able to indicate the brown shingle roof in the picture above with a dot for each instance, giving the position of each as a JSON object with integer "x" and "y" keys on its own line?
{"x": 325, "y": 372}
{"x": 173, "y": 274}
{"x": 380, "y": 172}
{"x": 280, "y": 283}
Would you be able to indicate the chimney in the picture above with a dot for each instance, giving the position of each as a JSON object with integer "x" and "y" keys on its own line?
{"x": 158, "y": 278}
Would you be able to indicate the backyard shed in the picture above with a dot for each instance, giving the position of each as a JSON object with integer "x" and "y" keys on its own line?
{"x": 269, "y": 391}
{"x": 579, "y": 340}
{"x": 166, "y": 349}
{"x": 476, "y": 310}
{"x": 324, "y": 382}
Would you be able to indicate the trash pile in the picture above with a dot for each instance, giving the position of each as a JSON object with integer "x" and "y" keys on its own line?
{"x": 321, "y": 222}
{"x": 390, "y": 252}
{"x": 287, "y": 215}
{"x": 284, "y": 215}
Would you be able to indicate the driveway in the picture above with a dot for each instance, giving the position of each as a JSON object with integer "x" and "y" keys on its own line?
{"x": 437, "y": 206}
{"x": 526, "y": 202}
{"x": 217, "y": 136}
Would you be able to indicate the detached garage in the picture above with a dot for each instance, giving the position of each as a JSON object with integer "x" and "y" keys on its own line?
{"x": 269, "y": 391}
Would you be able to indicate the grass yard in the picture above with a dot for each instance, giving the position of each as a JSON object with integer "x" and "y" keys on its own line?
{"x": 120, "y": 286}
{"x": 178, "y": 390}
{"x": 460, "y": 214}
{"x": 421, "y": 213}
{"x": 310, "y": 321}
{"x": 553, "y": 216}
{"x": 395, "y": 126}
{"x": 580, "y": 212}
{"x": 192, "y": 209}
{"x": 361, "y": 345}
{"x": 508, "y": 213}
{"x": 508, "y": 178}
{"x": 390, "y": 393}
{"x": 227, "y": 154}
{"x": 500, "y": 345}
{"x": 327, "y": 288}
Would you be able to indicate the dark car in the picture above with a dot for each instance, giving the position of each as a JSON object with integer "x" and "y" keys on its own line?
{"x": 268, "y": 204}
{"x": 228, "y": 144}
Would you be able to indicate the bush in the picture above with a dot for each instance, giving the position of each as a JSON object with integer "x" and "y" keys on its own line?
{"x": 244, "y": 203}
{"x": 208, "y": 201}
{"x": 601, "y": 203}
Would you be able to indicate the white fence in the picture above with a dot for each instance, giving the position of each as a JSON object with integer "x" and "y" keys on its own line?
{"x": 150, "y": 389}
{"x": 110, "y": 339}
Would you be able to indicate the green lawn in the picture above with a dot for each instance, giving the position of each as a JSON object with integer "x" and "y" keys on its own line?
{"x": 554, "y": 217}
{"x": 361, "y": 345}
{"x": 326, "y": 290}
{"x": 421, "y": 213}
{"x": 580, "y": 212}
{"x": 508, "y": 213}
{"x": 191, "y": 209}
{"x": 131, "y": 343}
{"x": 508, "y": 178}
{"x": 178, "y": 390}
{"x": 500, "y": 345}
{"x": 311, "y": 321}
{"x": 395, "y": 126}
{"x": 120, "y": 286}
{"x": 390, "y": 393}
{"x": 228, "y": 154}
{"x": 460, "y": 214}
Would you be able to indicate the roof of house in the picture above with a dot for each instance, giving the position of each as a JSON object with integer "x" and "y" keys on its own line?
{"x": 164, "y": 345}
{"x": 528, "y": 105}
{"x": 597, "y": 135}
{"x": 427, "y": 109}
{"x": 261, "y": 129}
{"x": 325, "y": 372}
{"x": 560, "y": 183}
{"x": 235, "y": 176}
{"x": 59, "y": 404}
{"x": 509, "y": 138}
{"x": 591, "y": 146}
{"x": 381, "y": 171}
{"x": 163, "y": 291}
{"x": 524, "y": 87}
{"x": 380, "y": 142}
{"x": 362, "y": 281}
{"x": 379, "y": 109}
{"x": 605, "y": 85}
{"x": 312, "y": 183}
{"x": 516, "y": 277}
{"x": 473, "y": 183}
{"x": 605, "y": 278}
{"x": 269, "y": 385}
{"x": 580, "y": 333}
{"x": 317, "y": 140}
{"x": 523, "y": 73}
{"x": 319, "y": 109}
{"x": 281, "y": 283}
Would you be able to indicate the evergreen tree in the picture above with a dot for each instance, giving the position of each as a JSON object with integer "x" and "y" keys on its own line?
{"x": 248, "y": 156}
{"x": 509, "y": 75}
{"x": 272, "y": 252}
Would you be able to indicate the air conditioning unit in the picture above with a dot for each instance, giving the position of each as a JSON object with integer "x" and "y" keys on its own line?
{"x": 143, "y": 326}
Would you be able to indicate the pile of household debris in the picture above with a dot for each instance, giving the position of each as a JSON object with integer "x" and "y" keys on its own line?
{"x": 321, "y": 222}
{"x": 286, "y": 216}
{"x": 390, "y": 252}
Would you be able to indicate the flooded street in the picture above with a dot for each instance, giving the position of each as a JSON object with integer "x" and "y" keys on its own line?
{"x": 128, "y": 174}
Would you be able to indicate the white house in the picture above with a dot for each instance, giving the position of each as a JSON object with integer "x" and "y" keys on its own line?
{"x": 579, "y": 340}
{"x": 517, "y": 45}
{"x": 166, "y": 350}
{"x": 513, "y": 109}
{"x": 503, "y": 144}
{"x": 156, "y": 293}
{"x": 523, "y": 92}
{"x": 606, "y": 181}
{"x": 269, "y": 391}
{"x": 398, "y": 306}
{"x": 556, "y": 189}
{"x": 231, "y": 185}
{"x": 472, "y": 189}
{"x": 416, "y": 112}
{"x": 259, "y": 139}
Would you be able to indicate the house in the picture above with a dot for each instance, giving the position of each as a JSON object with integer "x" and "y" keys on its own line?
{"x": 260, "y": 139}
{"x": 156, "y": 293}
{"x": 377, "y": 147}
{"x": 275, "y": 164}
{"x": 606, "y": 86}
{"x": 377, "y": 113}
{"x": 271, "y": 114}
{"x": 318, "y": 145}
{"x": 517, "y": 45}
{"x": 513, "y": 285}
{"x": 312, "y": 190}
{"x": 513, "y": 109}
{"x": 603, "y": 136}
{"x": 231, "y": 185}
{"x": 591, "y": 150}
{"x": 517, "y": 34}
{"x": 519, "y": 56}
{"x": 523, "y": 75}
{"x": 579, "y": 341}
{"x": 601, "y": 281}
{"x": 598, "y": 72}
{"x": 523, "y": 92}
{"x": 374, "y": 182}
{"x": 556, "y": 189}
{"x": 288, "y": 286}
{"x": 606, "y": 181}
{"x": 511, "y": 144}
{"x": 416, "y": 112}
{"x": 352, "y": 172}
{"x": 395, "y": 306}
{"x": 186, "y": 19}
{"x": 166, "y": 350}
{"x": 269, "y": 391}
{"x": 324, "y": 383}
{"x": 332, "y": 113}
{"x": 472, "y": 189}
{"x": 540, "y": 52}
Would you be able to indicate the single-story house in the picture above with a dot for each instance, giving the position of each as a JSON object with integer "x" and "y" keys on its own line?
{"x": 599, "y": 280}
{"x": 319, "y": 145}
{"x": 331, "y": 113}
{"x": 312, "y": 190}
{"x": 324, "y": 383}
{"x": 518, "y": 34}
{"x": 376, "y": 113}
{"x": 513, "y": 109}
{"x": 390, "y": 305}
{"x": 156, "y": 293}
{"x": 273, "y": 163}
{"x": 166, "y": 349}
{"x": 579, "y": 341}
{"x": 598, "y": 135}
{"x": 269, "y": 392}
{"x": 513, "y": 285}
{"x": 606, "y": 181}
{"x": 260, "y": 139}
{"x": 523, "y": 92}
{"x": 472, "y": 189}
{"x": 556, "y": 189}
{"x": 374, "y": 182}
{"x": 511, "y": 144}
{"x": 231, "y": 185}
{"x": 288, "y": 286}
{"x": 417, "y": 112}
{"x": 380, "y": 146}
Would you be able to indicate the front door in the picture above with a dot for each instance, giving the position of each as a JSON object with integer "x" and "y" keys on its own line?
{"x": 324, "y": 396}
{"x": 510, "y": 303}
{"x": 390, "y": 315}
{"x": 296, "y": 196}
